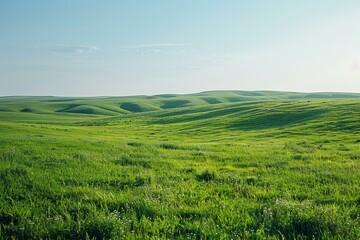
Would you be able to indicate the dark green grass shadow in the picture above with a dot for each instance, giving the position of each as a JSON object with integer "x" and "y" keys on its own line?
{"x": 276, "y": 120}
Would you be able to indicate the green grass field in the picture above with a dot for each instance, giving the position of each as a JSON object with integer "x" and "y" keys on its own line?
{"x": 212, "y": 165}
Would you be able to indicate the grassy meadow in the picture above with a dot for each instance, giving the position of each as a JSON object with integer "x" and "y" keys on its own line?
{"x": 212, "y": 165}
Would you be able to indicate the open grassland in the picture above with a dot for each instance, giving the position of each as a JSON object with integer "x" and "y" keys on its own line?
{"x": 215, "y": 165}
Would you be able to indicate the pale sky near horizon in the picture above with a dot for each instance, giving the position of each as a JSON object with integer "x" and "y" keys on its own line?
{"x": 131, "y": 47}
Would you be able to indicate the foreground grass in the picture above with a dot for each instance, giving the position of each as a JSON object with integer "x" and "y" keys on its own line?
{"x": 252, "y": 170}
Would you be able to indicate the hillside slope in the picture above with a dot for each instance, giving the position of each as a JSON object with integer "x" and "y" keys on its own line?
{"x": 110, "y": 106}
{"x": 281, "y": 167}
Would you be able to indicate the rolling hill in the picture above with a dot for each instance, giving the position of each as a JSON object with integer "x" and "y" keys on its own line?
{"x": 211, "y": 165}
{"x": 110, "y": 106}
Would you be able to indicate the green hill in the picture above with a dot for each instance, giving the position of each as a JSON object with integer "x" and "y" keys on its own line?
{"x": 210, "y": 165}
{"x": 135, "y": 104}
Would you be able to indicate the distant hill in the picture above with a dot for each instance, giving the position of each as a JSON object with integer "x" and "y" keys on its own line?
{"x": 113, "y": 106}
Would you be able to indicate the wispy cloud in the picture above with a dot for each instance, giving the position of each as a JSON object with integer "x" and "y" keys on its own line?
{"x": 155, "y": 45}
{"x": 66, "y": 49}
{"x": 352, "y": 65}
{"x": 158, "y": 48}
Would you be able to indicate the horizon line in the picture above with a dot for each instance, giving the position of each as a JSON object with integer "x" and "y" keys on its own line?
{"x": 179, "y": 94}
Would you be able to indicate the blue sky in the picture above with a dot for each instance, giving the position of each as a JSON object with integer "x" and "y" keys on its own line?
{"x": 97, "y": 48}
